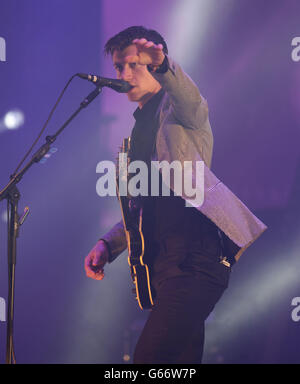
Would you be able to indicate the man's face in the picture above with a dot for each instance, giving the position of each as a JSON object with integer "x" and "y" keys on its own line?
{"x": 127, "y": 66}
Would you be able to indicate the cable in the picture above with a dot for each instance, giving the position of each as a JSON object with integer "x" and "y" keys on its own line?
{"x": 45, "y": 125}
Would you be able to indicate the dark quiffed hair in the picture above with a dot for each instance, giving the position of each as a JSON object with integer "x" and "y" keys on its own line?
{"x": 123, "y": 39}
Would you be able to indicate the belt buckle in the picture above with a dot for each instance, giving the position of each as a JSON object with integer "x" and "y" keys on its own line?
{"x": 225, "y": 262}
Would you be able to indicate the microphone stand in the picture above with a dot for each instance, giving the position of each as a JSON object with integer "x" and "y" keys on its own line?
{"x": 12, "y": 195}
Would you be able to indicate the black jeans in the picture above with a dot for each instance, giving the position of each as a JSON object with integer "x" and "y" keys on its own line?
{"x": 174, "y": 331}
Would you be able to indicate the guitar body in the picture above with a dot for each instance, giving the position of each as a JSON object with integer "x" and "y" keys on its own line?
{"x": 132, "y": 219}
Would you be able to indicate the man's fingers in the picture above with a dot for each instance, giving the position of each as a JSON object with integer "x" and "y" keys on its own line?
{"x": 92, "y": 265}
{"x": 147, "y": 44}
{"x": 95, "y": 275}
{"x": 88, "y": 263}
{"x": 95, "y": 260}
{"x": 98, "y": 276}
{"x": 140, "y": 41}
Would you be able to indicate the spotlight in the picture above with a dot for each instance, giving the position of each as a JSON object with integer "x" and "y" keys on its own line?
{"x": 13, "y": 119}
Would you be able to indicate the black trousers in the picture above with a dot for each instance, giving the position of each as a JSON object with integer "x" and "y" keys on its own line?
{"x": 174, "y": 331}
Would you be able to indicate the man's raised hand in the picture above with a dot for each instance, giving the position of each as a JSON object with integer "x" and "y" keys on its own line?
{"x": 149, "y": 53}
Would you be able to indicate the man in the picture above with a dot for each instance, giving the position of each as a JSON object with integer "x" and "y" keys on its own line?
{"x": 192, "y": 248}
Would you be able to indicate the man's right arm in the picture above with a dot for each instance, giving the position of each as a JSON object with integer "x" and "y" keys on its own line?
{"x": 189, "y": 107}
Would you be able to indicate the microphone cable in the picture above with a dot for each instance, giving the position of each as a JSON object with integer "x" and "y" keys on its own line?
{"x": 44, "y": 126}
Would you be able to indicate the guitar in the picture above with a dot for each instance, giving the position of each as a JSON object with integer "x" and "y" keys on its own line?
{"x": 132, "y": 212}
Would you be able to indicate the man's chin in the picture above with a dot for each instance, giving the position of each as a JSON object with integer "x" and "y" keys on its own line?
{"x": 132, "y": 97}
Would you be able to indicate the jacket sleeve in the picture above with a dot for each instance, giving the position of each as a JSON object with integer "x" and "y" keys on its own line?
{"x": 115, "y": 239}
{"x": 189, "y": 107}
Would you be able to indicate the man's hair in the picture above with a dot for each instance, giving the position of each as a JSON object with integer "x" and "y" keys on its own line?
{"x": 124, "y": 38}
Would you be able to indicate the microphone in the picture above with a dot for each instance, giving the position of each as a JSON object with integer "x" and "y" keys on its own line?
{"x": 120, "y": 86}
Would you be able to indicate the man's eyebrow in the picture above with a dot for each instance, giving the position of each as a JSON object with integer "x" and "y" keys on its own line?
{"x": 126, "y": 59}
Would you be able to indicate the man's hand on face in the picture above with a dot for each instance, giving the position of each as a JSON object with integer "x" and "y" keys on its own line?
{"x": 149, "y": 53}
